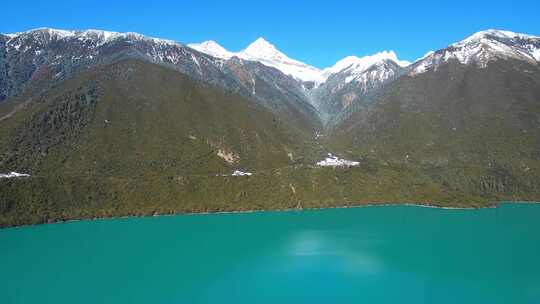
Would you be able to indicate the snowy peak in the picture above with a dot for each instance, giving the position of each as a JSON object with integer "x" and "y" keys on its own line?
{"x": 505, "y": 44}
{"x": 262, "y": 48}
{"x": 479, "y": 48}
{"x": 491, "y": 34}
{"x": 355, "y": 64}
{"x": 212, "y": 48}
{"x": 353, "y": 80}
{"x": 266, "y": 53}
{"x": 483, "y": 47}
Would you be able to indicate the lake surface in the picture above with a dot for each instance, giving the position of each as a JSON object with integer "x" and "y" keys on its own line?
{"x": 397, "y": 254}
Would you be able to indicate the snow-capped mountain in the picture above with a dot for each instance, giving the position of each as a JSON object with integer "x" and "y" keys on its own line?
{"x": 356, "y": 66}
{"x": 481, "y": 48}
{"x": 212, "y": 48}
{"x": 61, "y": 52}
{"x": 53, "y": 55}
{"x": 354, "y": 80}
{"x": 91, "y": 36}
{"x": 266, "y": 53}
{"x": 260, "y": 70}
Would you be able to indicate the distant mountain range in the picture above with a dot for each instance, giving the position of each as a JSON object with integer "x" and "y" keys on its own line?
{"x": 367, "y": 74}
{"x": 93, "y": 113}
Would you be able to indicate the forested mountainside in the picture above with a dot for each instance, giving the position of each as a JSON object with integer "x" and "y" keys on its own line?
{"x": 113, "y": 124}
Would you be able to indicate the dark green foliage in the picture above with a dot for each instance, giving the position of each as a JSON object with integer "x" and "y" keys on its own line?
{"x": 469, "y": 130}
{"x": 41, "y": 200}
{"x": 134, "y": 138}
{"x": 57, "y": 122}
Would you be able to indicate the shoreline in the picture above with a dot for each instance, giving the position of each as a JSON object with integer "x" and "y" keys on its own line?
{"x": 367, "y": 205}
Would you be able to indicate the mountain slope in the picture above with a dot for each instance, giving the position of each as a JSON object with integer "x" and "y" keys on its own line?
{"x": 38, "y": 59}
{"x": 466, "y": 116}
{"x": 134, "y": 118}
{"x": 352, "y": 82}
{"x": 48, "y": 56}
{"x": 280, "y": 93}
{"x": 138, "y": 138}
{"x": 332, "y": 91}
{"x": 470, "y": 129}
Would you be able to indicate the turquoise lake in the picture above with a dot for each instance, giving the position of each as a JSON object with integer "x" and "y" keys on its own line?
{"x": 398, "y": 254}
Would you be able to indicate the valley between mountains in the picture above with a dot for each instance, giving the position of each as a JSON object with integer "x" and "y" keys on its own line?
{"x": 104, "y": 124}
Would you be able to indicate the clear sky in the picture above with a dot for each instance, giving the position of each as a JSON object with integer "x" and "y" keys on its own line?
{"x": 316, "y": 32}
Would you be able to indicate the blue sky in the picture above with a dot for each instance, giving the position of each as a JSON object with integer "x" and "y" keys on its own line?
{"x": 316, "y": 32}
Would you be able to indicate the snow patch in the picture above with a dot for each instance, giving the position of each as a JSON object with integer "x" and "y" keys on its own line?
{"x": 253, "y": 91}
{"x": 536, "y": 54}
{"x": 196, "y": 62}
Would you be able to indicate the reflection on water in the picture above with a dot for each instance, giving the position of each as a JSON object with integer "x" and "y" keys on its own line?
{"x": 375, "y": 255}
{"x": 338, "y": 248}
{"x": 309, "y": 242}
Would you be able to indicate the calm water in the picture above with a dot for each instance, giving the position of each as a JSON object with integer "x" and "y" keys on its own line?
{"x": 362, "y": 255}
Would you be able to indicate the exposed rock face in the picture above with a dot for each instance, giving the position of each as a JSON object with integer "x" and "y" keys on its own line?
{"x": 229, "y": 156}
{"x": 353, "y": 87}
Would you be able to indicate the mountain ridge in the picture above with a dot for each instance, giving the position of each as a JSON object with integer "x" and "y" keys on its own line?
{"x": 261, "y": 44}
{"x": 263, "y": 51}
{"x": 332, "y": 92}
{"x": 481, "y": 48}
